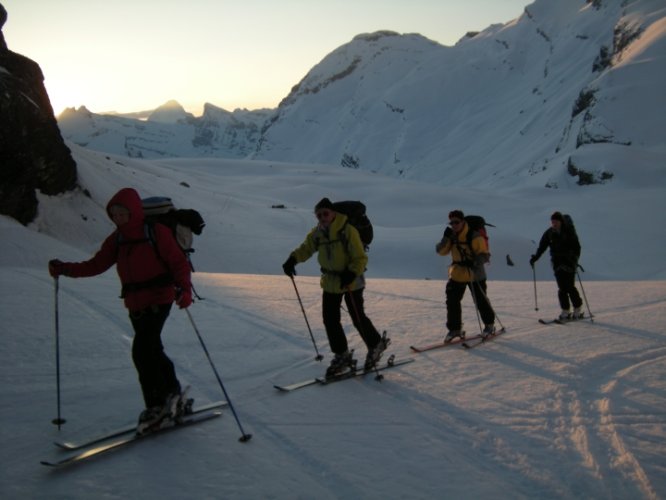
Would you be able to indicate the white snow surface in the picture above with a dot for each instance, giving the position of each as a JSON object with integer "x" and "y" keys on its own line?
{"x": 575, "y": 411}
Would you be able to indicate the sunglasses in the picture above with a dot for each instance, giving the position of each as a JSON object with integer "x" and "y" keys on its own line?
{"x": 454, "y": 222}
{"x": 323, "y": 214}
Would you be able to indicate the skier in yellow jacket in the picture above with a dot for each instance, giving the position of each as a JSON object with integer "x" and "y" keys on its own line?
{"x": 342, "y": 260}
{"x": 468, "y": 257}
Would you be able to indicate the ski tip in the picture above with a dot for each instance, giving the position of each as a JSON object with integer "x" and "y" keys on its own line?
{"x": 64, "y": 445}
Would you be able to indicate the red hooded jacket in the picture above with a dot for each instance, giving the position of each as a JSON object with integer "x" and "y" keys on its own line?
{"x": 136, "y": 259}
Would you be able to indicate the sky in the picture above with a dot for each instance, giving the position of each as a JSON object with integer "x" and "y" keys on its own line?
{"x": 130, "y": 55}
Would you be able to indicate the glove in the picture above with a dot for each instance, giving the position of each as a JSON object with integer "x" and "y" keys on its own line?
{"x": 184, "y": 298}
{"x": 439, "y": 246}
{"x": 448, "y": 232}
{"x": 346, "y": 278}
{"x": 289, "y": 267}
{"x": 533, "y": 259}
{"x": 57, "y": 268}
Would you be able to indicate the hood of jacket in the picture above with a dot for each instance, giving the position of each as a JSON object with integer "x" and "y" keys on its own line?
{"x": 130, "y": 199}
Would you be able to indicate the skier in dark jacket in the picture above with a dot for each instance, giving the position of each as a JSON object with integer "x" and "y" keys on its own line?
{"x": 153, "y": 275}
{"x": 564, "y": 254}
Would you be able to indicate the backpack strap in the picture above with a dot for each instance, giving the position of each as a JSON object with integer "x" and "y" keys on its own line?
{"x": 160, "y": 280}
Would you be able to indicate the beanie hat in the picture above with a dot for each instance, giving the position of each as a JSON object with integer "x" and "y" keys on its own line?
{"x": 456, "y": 214}
{"x": 324, "y": 203}
{"x": 557, "y": 216}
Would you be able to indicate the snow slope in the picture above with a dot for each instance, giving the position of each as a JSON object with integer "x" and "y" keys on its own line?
{"x": 572, "y": 411}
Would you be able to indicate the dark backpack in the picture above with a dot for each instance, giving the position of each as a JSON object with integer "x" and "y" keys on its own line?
{"x": 568, "y": 223}
{"x": 477, "y": 224}
{"x": 356, "y": 216}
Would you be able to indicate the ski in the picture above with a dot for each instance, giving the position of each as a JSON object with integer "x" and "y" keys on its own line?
{"x": 391, "y": 362}
{"x": 118, "y": 443}
{"x": 129, "y": 429}
{"x": 440, "y": 344}
{"x": 297, "y": 385}
{"x": 559, "y": 321}
{"x": 549, "y": 322}
{"x": 482, "y": 340}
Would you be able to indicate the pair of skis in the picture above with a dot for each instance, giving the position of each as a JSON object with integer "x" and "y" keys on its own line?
{"x": 558, "y": 321}
{"x": 126, "y": 435}
{"x": 391, "y": 362}
{"x": 466, "y": 342}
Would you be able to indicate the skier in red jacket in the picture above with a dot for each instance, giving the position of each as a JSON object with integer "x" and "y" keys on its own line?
{"x": 154, "y": 273}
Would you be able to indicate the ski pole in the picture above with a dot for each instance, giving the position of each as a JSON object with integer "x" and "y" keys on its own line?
{"x": 245, "y": 437}
{"x": 318, "y": 357}
{"x": 59, "y": 420}
{"x": 536, "y": 305}
{"x": 584, "y": 296}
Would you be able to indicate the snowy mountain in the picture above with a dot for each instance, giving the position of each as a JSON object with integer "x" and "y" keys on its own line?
{"x": 168, "y": 131}
{"x": 543, "y": 96}
{"x": 570, "y": 92}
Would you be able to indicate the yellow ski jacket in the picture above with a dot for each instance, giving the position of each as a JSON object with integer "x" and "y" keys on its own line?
{"x": 339, "y": 248}
{"x": 467, "y": 264}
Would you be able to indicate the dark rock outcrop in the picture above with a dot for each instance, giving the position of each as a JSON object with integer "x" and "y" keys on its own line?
{"x": 33, "y": 154}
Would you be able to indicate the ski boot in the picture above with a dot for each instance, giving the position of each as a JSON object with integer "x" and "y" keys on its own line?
{"x": 453, "y": 334}
{"x": 375, "y": 354}
{"x": 341, "y": 365}
{"x": 152, "y": 419}
{"x": 488, "y": 331}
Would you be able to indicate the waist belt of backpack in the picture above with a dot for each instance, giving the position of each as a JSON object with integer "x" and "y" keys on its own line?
{"x": 158, "y": 281}
{"x": 328, "y": 271}
{"x": 468, "y": 264}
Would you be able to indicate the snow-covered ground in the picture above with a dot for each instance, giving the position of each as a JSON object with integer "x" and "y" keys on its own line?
{"x": 574, "y": 411}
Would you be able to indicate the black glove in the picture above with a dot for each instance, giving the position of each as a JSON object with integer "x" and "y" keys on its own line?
{"x": 289, "y": 267}
{"x": 448, "y": 233}
{"x": 533, "y": 259}
{"x": 346, "y": 278}
{"x": 57, "y": 268}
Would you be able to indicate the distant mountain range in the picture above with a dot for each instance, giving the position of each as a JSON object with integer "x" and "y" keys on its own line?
{"x": 544, "y": 99}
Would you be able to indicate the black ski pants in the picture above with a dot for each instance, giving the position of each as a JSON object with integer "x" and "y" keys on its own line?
{"x": 566, "y": 289}
{"x": 157, "y": 374}
{"x": 331, "y": 303}
{"x": 455, "y": 290}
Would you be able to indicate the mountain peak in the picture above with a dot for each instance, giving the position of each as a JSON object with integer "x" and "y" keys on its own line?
{"x": 170, "y": 112}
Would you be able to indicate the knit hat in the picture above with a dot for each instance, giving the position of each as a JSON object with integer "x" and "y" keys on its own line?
{"x": 456, "y": 214}
{"x": 324, "y": 203}
{"x": 557, "y": 216}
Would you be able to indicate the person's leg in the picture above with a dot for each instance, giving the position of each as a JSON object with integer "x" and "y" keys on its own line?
{"x": 454, "y": 295}
{"x": 157, "y": 374}
{"x": 331, "y": 315}
{"x": 355, "y": 306}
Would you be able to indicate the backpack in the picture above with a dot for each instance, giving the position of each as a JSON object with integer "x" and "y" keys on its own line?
{"x": 568, "y": 223}
{"x": 356, "y": 216}
{"x": 182, "y": 222}
{"x": 477, "y": 224}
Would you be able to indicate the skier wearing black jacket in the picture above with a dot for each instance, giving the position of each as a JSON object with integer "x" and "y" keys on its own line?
{"x": 564, "y": 254}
